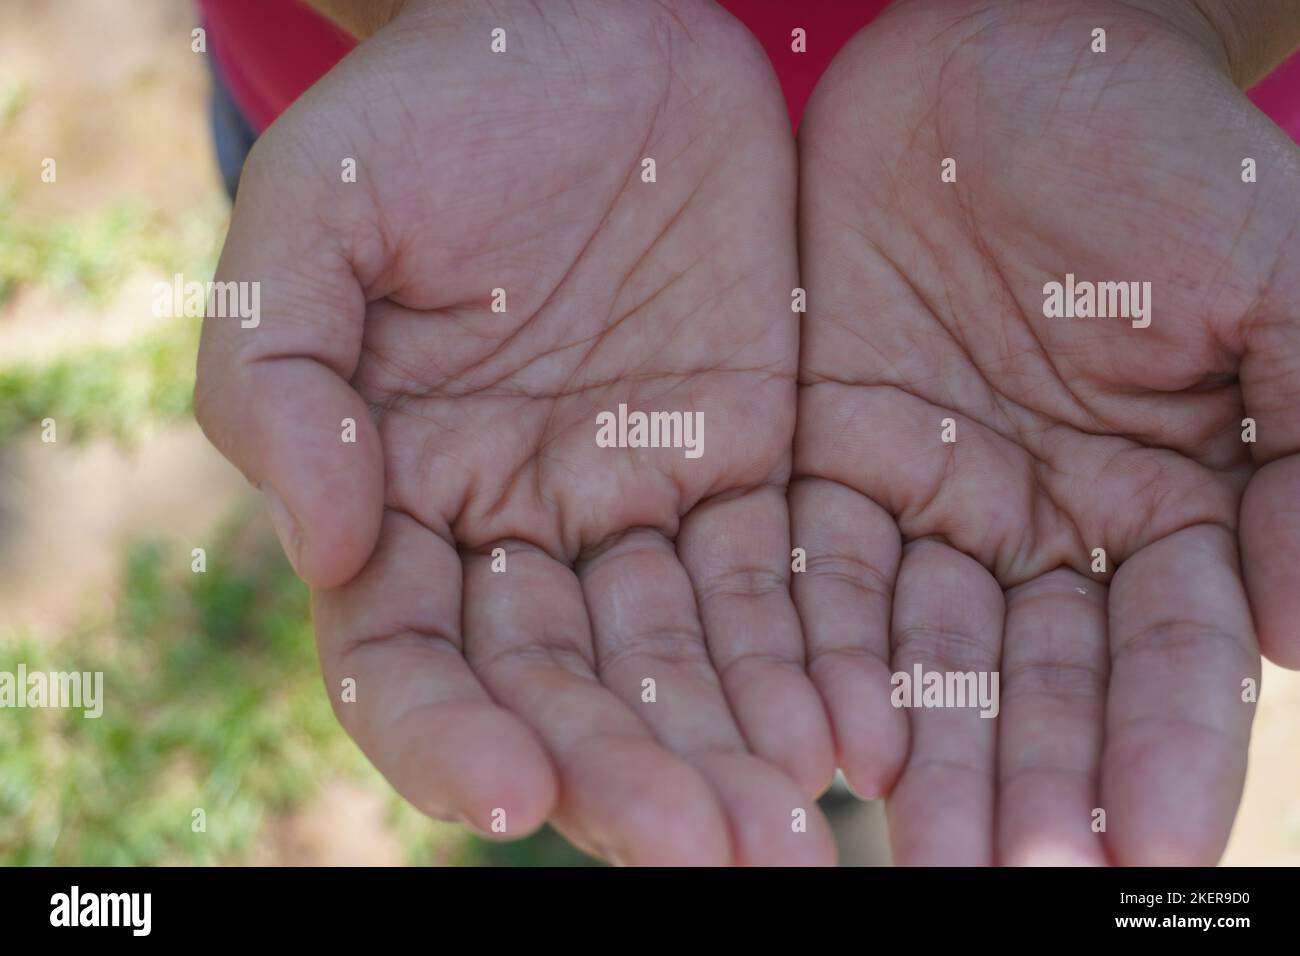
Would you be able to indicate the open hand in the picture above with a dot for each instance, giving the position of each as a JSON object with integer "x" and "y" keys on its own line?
{"x": 1126, "y": 690}
{"x": 506, "y": 699}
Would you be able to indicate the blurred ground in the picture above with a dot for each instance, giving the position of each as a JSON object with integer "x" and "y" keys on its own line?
{"x": 221, "y": 707}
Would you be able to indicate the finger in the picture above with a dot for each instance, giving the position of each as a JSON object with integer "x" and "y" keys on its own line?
{"x": 1270, "y": 556}
{"x": 1177, "y": 728}
{"x": 1050, "y": 729}
{"x": 1270, "y": 389}
{"x": 948, "y": 614}
{"x": 272, "y": 390}
{"x": 844, "y": 597}
{"x": 623, "y": 797}
{"x": 736, "y": 553}
{"x": 772, "y": 824}
{"x": 418, "y": 711}
{"x": 646, "y": 629}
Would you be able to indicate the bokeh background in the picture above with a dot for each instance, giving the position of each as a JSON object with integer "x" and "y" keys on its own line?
{"x": 215, "y": 697}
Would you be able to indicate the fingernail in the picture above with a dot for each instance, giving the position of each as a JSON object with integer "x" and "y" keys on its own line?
{"x": 286, "y": 528}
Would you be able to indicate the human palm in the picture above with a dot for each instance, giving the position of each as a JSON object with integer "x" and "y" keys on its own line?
{"x": 1122, "y": 691}
{"x": 510, "y": 690}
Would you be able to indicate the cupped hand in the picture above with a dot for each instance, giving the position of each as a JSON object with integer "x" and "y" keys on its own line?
{"x": 1126, "y": 692}
{"x": 630, "y": 663}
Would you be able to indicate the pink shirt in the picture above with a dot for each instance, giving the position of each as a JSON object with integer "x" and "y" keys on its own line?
{"x": 270, "y": 51}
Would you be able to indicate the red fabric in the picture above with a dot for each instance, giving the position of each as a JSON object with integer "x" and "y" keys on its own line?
{"x": 270, "y": 51}
{"x": 827, "y": 26}
{"x": 1278, "y": 95}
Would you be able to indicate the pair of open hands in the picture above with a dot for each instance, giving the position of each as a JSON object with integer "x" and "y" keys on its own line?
{"x": 522, "y": 692}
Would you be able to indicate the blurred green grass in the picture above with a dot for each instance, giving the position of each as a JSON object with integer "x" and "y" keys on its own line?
{"x": 83, "y": 260}
{"x": 87, "y": 256}
{"x": 119, "y": 392}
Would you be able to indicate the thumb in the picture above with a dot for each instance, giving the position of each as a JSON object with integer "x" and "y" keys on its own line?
{"x": 281, "y": 339}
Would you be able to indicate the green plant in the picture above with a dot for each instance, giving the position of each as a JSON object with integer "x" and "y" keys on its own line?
{"x": 88, "y": 256}
{"x": 116, "y": 391}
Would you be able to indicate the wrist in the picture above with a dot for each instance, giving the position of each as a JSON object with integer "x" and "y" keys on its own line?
{"x": 1257, "y": 34}
{"x": 360, "y": 18}
{"x": 1250, "y": 37}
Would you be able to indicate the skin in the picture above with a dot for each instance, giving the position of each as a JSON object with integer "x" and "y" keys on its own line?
{"x": 475, "y": 429}
{"x": 1120, "y": 690}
